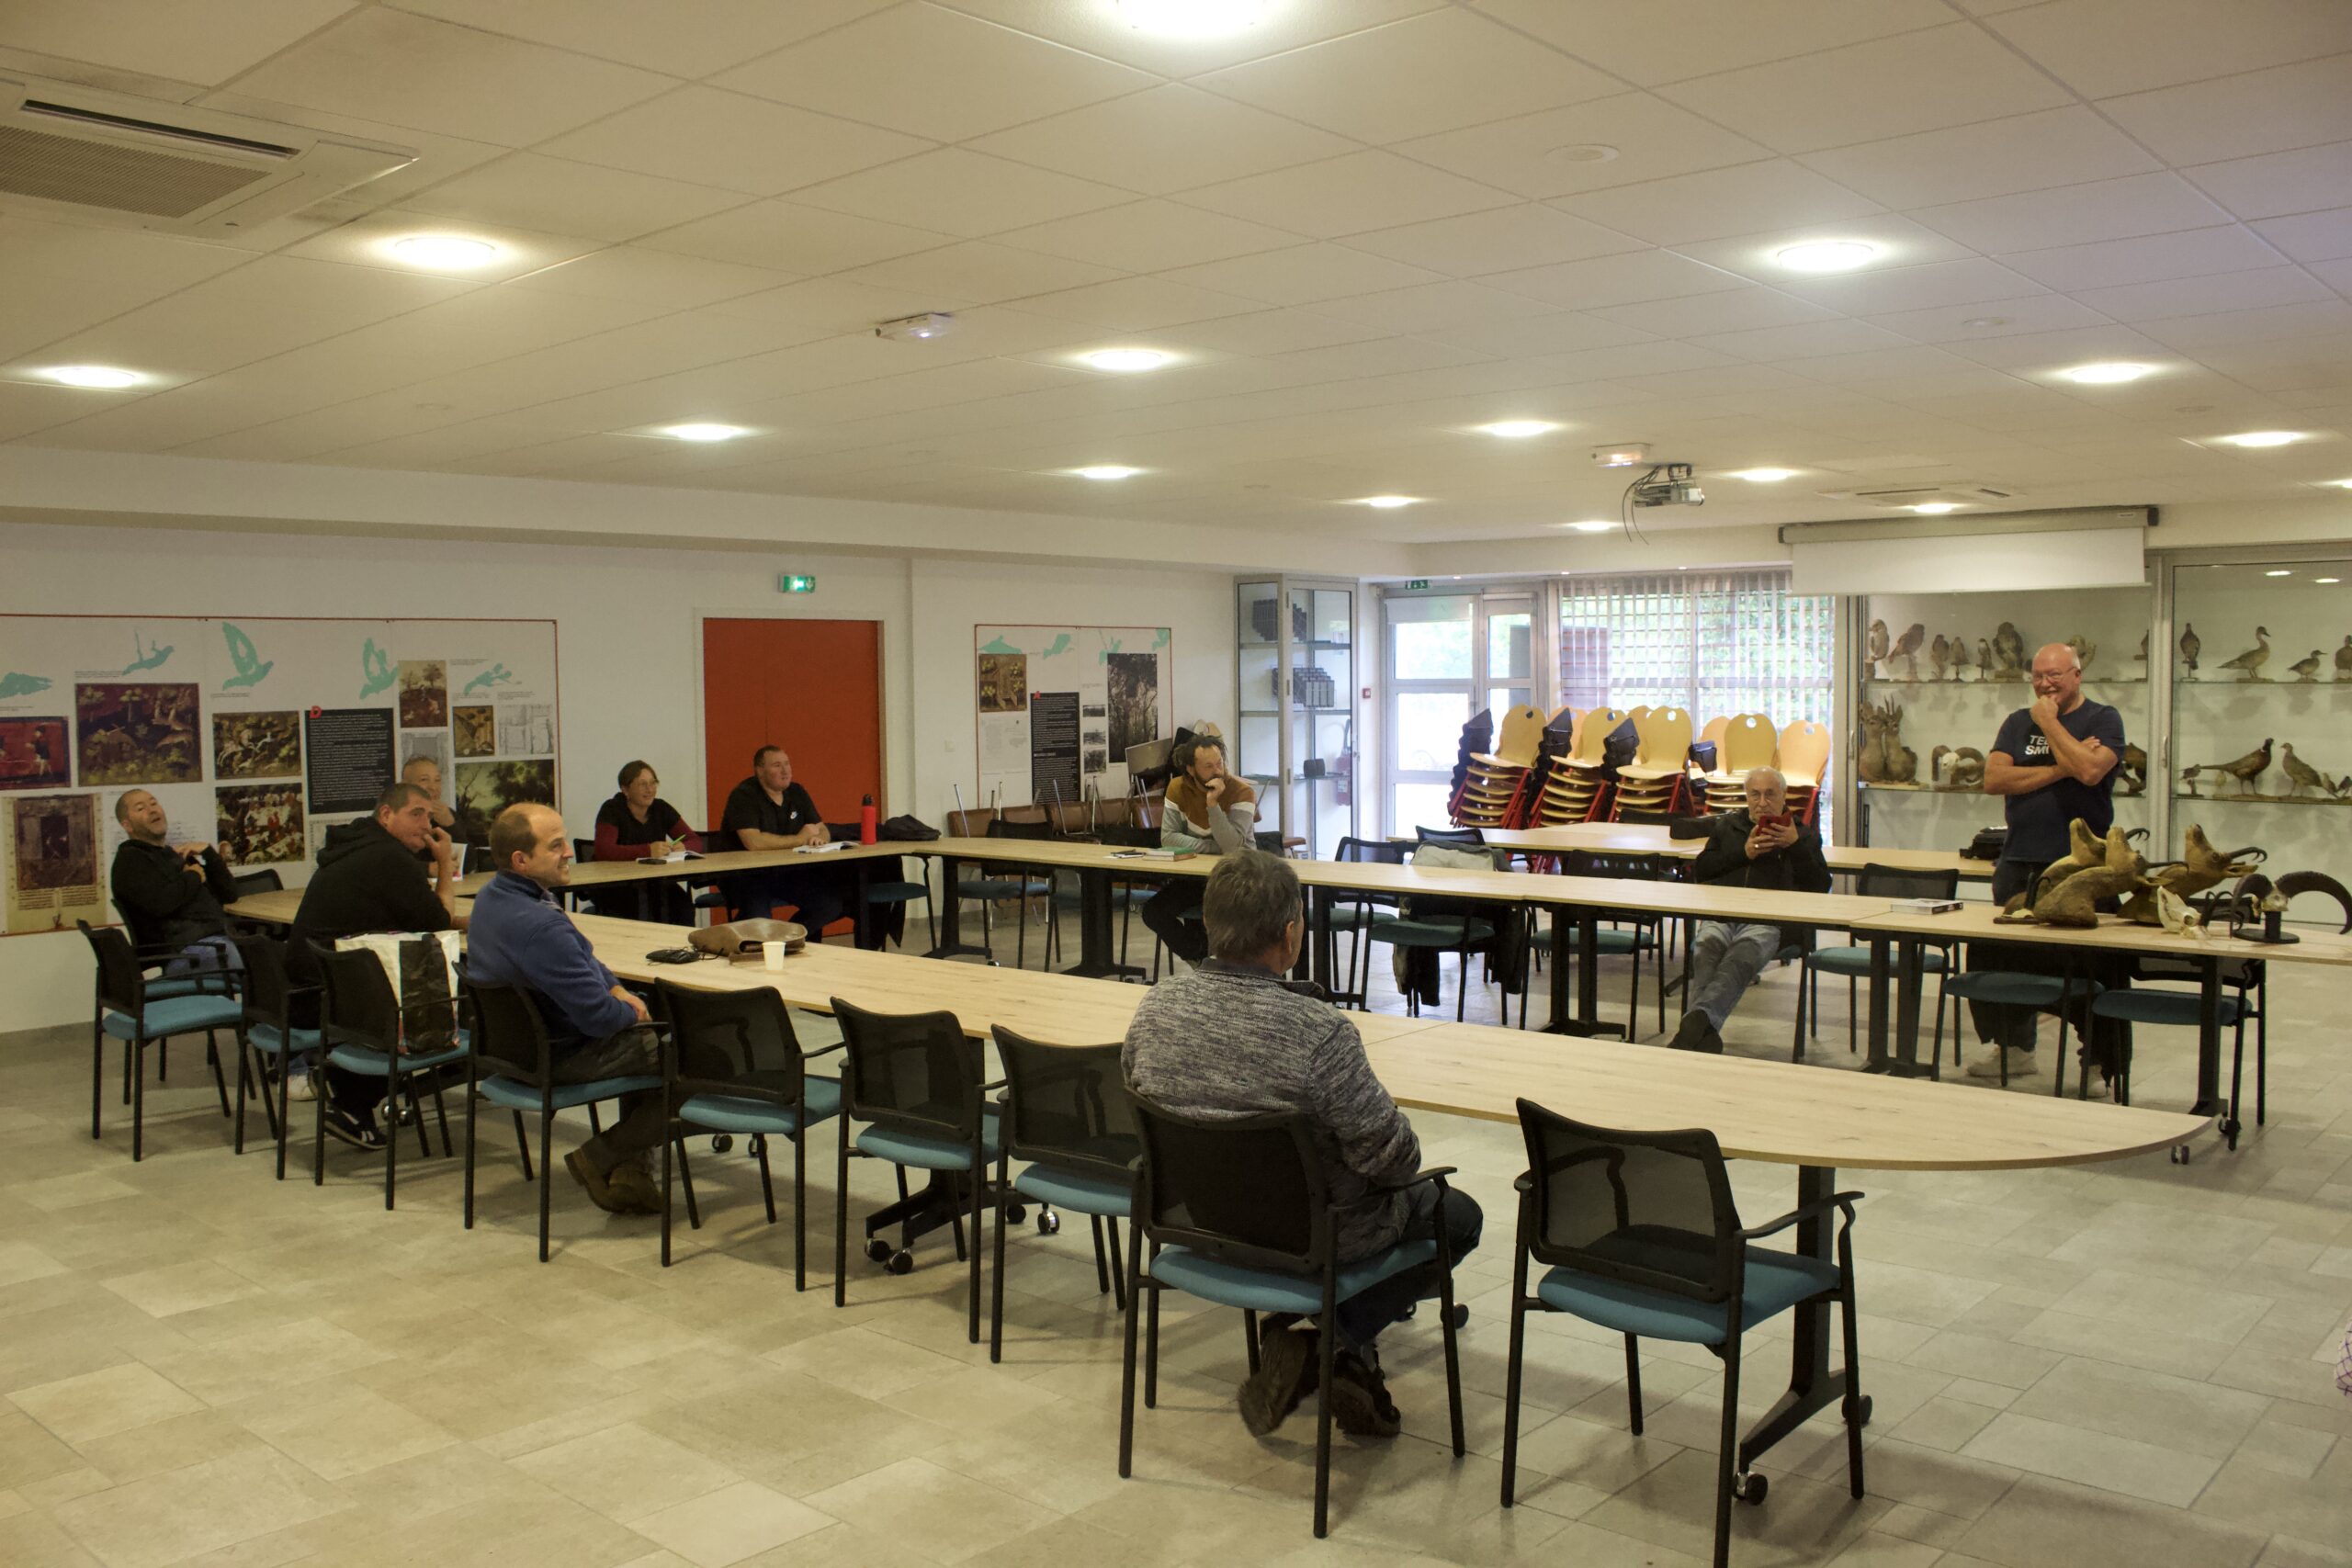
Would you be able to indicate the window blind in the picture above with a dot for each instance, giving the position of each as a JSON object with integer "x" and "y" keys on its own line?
{"x": 1712, "y": 642}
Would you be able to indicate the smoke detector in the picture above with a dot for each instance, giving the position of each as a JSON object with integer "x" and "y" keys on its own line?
{"x": 922, "y": 328}
{"x": 71, "y": 151}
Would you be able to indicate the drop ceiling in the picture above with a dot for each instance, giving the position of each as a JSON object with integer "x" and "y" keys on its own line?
{"x": 1363, "y": 228}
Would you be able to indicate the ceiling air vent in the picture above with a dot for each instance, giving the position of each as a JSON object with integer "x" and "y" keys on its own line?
{"x": 72, "y": 151}
{"x": 1926, "y": 495}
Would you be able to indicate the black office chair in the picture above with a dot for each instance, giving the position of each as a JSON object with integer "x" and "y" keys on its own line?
{"x": 1358, "y": 909}
{"x": 1127, "y": 892}
{"x": 271, "y": 1034}
{"x": 1451, "y": 838}
{"x": 2248, "y": 982}
{"x": 736, "y": 1067}
{"x": 1066, "y": 1112}
{"x": 362, "y": 1026}
{"x": 1621, "y": 936}
{"x": 919, "y": 1085}
{"x": 985, "y": 888}
{"x": 1035, "y": 882}
{"x": 1239, "y": 1211}
{"x": 1638, "y": 1234}
{"x": 1854, "y": 962}
{"x": 139, "y": 1011}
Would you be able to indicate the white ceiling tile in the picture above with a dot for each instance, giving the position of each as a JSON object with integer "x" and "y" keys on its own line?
{"x": 1500, "y": 239}
{"x": 2243, "y": 336}
{"x": 1373, "y": 357}
{"x": 1138, "y": 304}
{"x": 1429, "y": 306}
{"x": 2027, "y": 151}
{"x": 1872, "y": 292}
{"x": 705, "y": 137}
{"x": 62, "y": 277}
{"x": 1101, "y": 30}
{"x": 966, "y": 193}
{"x": 1889, "y": 86}
{"x": 820, "y": 305}
{"x": 2205, "y": 296}
{"x": 1149, "y": 236}
{"x": 199, "y": 44}
{"x": 1347, "y": 196}
{"x": 979, "y": 272}
{"x": 715, "y": 34}
{"x": 2101, "y": 47}
{"x": 1802, "y": 340}
{"x": 1377, "y": 87}
{"x": 405, "y": 70}
{"x": 1274, "y": 332}
{"x": 1536, "y": 332}
{"x": 2112, "y": 261}
{"x": 658, "y": 278}
{"x": 2004, "y": 318}
{"x": 2237, "y": 117}
{"x": 2278, "y": 183}
{"x": 1736, "y": 310}
{"x": 28, "y": 407}
{"x": 2311, "y": 236}
{"x": 792, "y": 238}
{"x": 2038, "y": 352}
{"x": 1169, "y": 138}
{"x": 1535, "y": 154}
{"x": 1303, "y": 274}
{"x": 1718, "y": 202}
{"x": 368, "y": 240}
{"x": 930, "y": 72}
{"x": 1665, "y": 40}
{"x": 564, "y": 198}
{"x": 2106, "y": 209}
{"x": 1616, "y": 281}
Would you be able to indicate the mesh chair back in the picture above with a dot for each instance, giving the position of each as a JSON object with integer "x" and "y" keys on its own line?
{"x": 1626, "y": 865}
{"x": 1451, "y": 838}
{"x": 970, "y": 824}
{"x": 268, "y": 996}
{"x": 1248, "y": 1189}
{"x": 1887, "y": 882}
{"x": 265, "y": 881}
{"x": 358, "y": 1007}
{"x": 730, "y": 1042}
{"x": 1068, "y": 1107}
{"x": 1634, "y": 816}
{"x": 119, "y": 985}
{"x": 1370, "y": 851}
{"x": 910, "y": 1072}
{"x": 1126, "y": 836}
{"x": 510, "y": 1039}
{"x": 1006, "y": 827}
{"x": 1650, "y": 1208}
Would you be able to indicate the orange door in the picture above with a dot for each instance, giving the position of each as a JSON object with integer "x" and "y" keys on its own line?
{"x": 812, "y": 687}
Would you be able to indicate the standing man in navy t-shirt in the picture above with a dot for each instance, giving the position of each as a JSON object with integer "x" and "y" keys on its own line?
{"x": 2053, "y": 762}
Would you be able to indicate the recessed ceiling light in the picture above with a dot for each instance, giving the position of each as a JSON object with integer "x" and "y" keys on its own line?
{"x": 95, "y": 375}
{"x": 1763, "y": 475}
{"x": 2107, "y": 373}
{"x": 1981, "y": 322}
{"x": 700, "y": 430}
{"x": 2327, "y": 580}
{"x": 1127, "y": 359}
{"x": 1596, "y": 525}
{"x": 1106, "y": 471}
{"x": 1385, "y": 503}
{"x": 1936, "y": 508}
{"x": 2261, "y": 438}
{"x": 1518, "y": 429}
{"x": 1826, "y": 255}
{"x": 1586, "y": 153}
{"x": 2341, "y": 484}
{"x": 2279, "y": 572}
{"x": 922, "y": 328}
{"x": 1195, "y": 19}
{"x": 444, "y": 253}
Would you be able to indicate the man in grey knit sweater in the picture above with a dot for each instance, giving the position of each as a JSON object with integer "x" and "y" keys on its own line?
{"x": 1234, "y": 1038}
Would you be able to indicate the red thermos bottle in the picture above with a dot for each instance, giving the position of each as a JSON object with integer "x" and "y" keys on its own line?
{"x": 866, "y": 822}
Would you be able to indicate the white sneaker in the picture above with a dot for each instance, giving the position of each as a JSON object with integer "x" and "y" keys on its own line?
{"x": 298, "y": 1087}
{"x": 2021, "y": 1064}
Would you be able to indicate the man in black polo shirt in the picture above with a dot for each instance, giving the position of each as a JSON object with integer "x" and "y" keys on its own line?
{"x": 768, "y": 811}
{"x": 2051, "y": 763}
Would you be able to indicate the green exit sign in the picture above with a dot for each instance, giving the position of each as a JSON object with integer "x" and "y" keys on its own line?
{"x": 1419, "y": 583}
{"x": 788, "y": 582}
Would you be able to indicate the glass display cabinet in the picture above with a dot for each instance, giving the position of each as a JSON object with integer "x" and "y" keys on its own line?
{"x": 1295, "y": 657}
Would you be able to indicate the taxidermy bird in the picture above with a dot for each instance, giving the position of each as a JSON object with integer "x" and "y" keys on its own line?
{"x": 1907, "y": 644}
{"x": 2246, "y": 769}
{"x": 2010, "y": 647}
{"x": 2188, "y": 781}
{"x": 1939, "y": 654}
{"x": 1878, "y": 642}
{"x": 2085, "y": 650}
{"x": 2142, "y": 655}
{"x": 2343, "y": 660}
{"x": 2249, "y": 664}
{"x": 2301, "y": 775}
{"x": 2190, "y": 644}
{"x": 2307, "y": 669}
{"x": 1985, "y": 670}
{"x": 1959, "y": 656}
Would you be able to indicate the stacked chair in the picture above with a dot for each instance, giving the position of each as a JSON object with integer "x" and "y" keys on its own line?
{"x": 1653, "y": 781}
{"x": 1573, "y": 790}
{"x": 1743, "y": 742}
{"x": 1804, "y": 762}
{"x": 1494, "y": 784}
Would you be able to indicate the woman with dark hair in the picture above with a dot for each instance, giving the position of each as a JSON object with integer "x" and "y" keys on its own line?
{"x": 636, "y": 823}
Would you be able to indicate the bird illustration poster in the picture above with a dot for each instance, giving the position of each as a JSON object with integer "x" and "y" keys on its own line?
{"x": 258, "y": 745}
{"x": 138, "y": 732}
{"x": 425, "y": 694}
{"x": 1036, "y": 684}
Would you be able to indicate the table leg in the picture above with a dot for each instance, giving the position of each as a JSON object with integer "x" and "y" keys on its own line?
{"x": 2209, "y": 1047}
{"x": 1322, "y": 946}
{"x": 951, "y": 914}
{"x": 1095, "y": 960}
{"x": 866, "y": 936}
{"x": 1813, "y": 1388}
{"x": 1586, "y": 1022}
{"x": 1907, "y": 988}
{"x": 1881, "y": 973}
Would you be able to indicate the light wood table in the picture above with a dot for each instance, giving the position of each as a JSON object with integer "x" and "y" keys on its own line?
{"x": 1651, "y": 838}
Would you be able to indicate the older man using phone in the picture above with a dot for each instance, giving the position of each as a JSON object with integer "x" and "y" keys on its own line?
{"x": 1759, "y": 846}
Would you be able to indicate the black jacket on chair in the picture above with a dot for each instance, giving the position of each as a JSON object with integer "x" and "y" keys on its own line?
{"x": 1800, "y": 868}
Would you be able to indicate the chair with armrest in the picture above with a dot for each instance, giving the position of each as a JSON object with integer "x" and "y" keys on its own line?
{"x": 363, "y": 1028}
{"x": 1854, "y": 961}
{"x": 1637, "y": 1233}
{"x": 131, "y": 1007}
{"x": 1065, "y": 1112}
{"x": 1239, "y": 1211}
{"x": 1621, "y": 936}
{"x": 272, "y": 1035}
{"x": 2249, "y": 997}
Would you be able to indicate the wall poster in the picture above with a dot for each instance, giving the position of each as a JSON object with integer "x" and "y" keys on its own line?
{"x": 1056, "y": 707}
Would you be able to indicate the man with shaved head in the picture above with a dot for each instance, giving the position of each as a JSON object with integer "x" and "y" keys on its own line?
{"x": 2054, "y": 762}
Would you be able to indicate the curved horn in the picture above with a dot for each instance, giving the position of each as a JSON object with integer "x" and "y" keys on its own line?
{"x": 2296, "y": 881}
{"x": 2256, "y": 850}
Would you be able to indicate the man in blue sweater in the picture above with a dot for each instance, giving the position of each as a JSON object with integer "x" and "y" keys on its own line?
{"x": 519, "y": 936}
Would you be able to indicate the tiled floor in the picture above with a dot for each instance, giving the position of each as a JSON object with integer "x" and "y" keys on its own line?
{"x": 2120, "y": 1364}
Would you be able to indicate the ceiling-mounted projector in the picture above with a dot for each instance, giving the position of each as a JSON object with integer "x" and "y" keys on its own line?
{"x": 1668, "y": 484}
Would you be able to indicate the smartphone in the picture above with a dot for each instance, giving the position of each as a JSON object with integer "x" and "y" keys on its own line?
{"x": 1775, "y": 819}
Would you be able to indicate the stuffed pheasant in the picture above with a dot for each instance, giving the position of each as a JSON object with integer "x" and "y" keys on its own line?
{"x": 2249, "y": 664}
{"x": 2246, "y": 769}
{"x": 2301, "y": 775}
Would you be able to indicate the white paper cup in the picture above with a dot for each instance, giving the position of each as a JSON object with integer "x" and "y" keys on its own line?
{"x": 772, "y": 954}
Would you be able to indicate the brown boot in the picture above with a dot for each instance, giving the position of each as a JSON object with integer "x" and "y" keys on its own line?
{"x": 600, "y": 1191}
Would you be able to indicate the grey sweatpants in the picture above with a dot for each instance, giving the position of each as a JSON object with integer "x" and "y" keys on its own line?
{"x": 1725, "y": 958}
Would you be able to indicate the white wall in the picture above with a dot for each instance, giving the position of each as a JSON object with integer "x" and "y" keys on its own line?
{"x": 626, "y": 644}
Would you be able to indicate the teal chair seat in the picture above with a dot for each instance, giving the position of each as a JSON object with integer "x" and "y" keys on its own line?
{"x": 926, "y": 1153}
{"x": 1272, "y": 1290}
{"x": 896, "y": 893}
{"x": 1854, "y": 962}
{"x": 2175, "y": 1008}
{"x": 1080, "y": 1194}
{"x": 1003, "y": 888}
{"x": 176, "y": 1015}
{"x": 1443, "y": 933}
{"x": 269, "y": 1042}
{"x": 1610, "y": 941}
{"x": 375, "y": 1064}
{"x": 1773, "y": 1282}
{"x": 821, "y": 1098}
{"x": 2009, "y": 988}
{"x": 514, "y": 1096}
{"x": 207, "y": 985}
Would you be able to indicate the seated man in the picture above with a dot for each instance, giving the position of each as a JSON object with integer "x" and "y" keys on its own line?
{"x": 426, "y": 774}
{"x": 368, "y": 880}
{"x": 171, "y": 895}
{"x": 1758, "y": 846}
{"x": 520, "y": 937}
{"x": 1208, "y": 812}
{"x": 768, "y": 811}
{"x": 1233, "y": 1038}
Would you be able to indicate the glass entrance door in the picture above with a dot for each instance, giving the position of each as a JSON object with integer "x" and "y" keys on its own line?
{"x": 1449, "y": 655}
